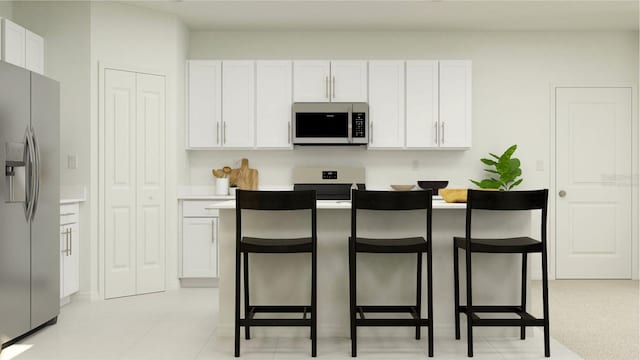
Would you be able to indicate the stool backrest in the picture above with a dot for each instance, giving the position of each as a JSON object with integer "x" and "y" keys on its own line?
{"x": 275, "y": 201}
{"x": 390, "y": 201}
{"x": 508, "y": 201}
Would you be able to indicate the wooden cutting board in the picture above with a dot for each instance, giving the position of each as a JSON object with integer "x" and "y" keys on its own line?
{"x": 244, "y": 177}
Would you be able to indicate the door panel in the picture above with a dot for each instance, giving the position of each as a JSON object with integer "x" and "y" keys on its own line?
{"x": 311, "y": 81}
{"x": 120, "y": 183}
{"x": 349, "y": 81}
{"x": 14, "y": 242}
{"x": 386, "y": 104}
{"x": 199, "y": 258}
{"x": 204, "y": 103}
{"x": 14, "y": 43}
{"x": 593, "y": 167}
{"x": 455, "y": 104}
{"x": 238, "y": 104}
{"x": 150, "y": 157}
{"x": 273, "y": 104}
{"x": 45, "y": 121}
{"x": 422, "y": 104}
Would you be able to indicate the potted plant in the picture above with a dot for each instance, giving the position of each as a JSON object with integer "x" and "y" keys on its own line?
{"x": 505, "y": 172}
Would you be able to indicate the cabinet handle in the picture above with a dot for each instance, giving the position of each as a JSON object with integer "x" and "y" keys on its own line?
{"x": 289, "y": 132}
{"x": 326, "y": 87}
{"x": 435, "y": 132}
{"x": 217, "y": 132}
{"x": 442, "y": 135}
{"x": 371, "y": 132}
{"x": 224, "y": 132}
{"x": 333, "y": 87}
{"x": 70, "y": 242}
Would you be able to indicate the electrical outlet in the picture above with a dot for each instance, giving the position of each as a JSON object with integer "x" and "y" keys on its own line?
{"x": 540, "y": 165}
{"x": 414, "y": 165}
{"x": 72, "y": 161}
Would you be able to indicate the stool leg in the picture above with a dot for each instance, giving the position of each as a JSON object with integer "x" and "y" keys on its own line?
{"x": 237, "y": 304}
{"x": 352, "y": 296}
{"x": 469, "y": 305}
{"x": 419, "y": 293}
{"x": 523, "y": 303}
{"x": 456, "y": 291}
{"x": 545, "y": 302}
{"x": 247, "y": 329}
{"x": 314, "y": 306}
{"x": 430, "y": 298}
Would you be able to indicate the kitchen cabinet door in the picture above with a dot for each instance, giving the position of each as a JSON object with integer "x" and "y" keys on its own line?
{"x": 238, "y": 104}
{"x": 348, "y": 81}
{"x": 422, "y": 104}
{"x": 34, "y": 52}
{"x": 69, "y": 260}
{"x": 199, "y": 247}
{"x": 455, "y": 104}
{"x": 386, "y": 104}
{"x": 311, "y": 81}
{"x": 204, "y": 104}
{"x": 13, "y": 50}
{"x": 63, "y": 254}
{"x": 273, "y": 104}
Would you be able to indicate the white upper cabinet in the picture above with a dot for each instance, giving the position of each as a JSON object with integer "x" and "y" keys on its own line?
{"x": 273, "y": 104}
{"x": 422, "y": 104}
{"x": 330, "y": 81}
{"x": 238, "y": 104}
{"x": 204, "y": 103}
{"x": 13, "y": 45}
{"x": 311, "y": 80}
{"x": 386, "y": 104}
{"x": 455, "y": 104}
{"x": 34, "y": 52}
{"x": 348, "y": 81}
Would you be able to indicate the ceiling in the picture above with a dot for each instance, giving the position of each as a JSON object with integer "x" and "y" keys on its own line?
{"x": 402, "y": 15}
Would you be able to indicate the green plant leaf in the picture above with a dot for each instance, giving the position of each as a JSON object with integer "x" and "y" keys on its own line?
{"x": 507, "y": 154}
{"x": 475, "y": 182}
{"x": 515, "y": 184}
{"x": 495, "y": 156}
{"x": 491, "y": 171}
{"x": 488, "y": 162}
{"x": 514, "y": 163}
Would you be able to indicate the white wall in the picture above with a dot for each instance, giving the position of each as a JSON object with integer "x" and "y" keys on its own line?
{"x": 129, "y": 37}
{"x": 65, "y": 27}
{"x": 512, "y": 76}
{"x": 6, "y": 9}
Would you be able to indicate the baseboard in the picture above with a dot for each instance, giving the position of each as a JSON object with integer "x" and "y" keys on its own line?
{"x": 199, "y": 282}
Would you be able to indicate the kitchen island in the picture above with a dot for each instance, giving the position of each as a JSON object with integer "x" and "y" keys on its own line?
{"x": 382, "y": 278}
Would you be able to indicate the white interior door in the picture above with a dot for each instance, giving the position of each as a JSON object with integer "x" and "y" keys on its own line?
{"x": 593, "y": 175}
{"x": 134, "y": 181}
{"x": 150, "y": 157}
{"x": 120, "y": 183}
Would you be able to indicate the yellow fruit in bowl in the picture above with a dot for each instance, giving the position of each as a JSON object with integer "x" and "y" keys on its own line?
{"x": 453, "y": 195}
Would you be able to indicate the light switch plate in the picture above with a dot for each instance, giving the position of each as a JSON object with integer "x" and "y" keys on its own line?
{"x": 540, "y": 165}
{"x": 72, "y": 161}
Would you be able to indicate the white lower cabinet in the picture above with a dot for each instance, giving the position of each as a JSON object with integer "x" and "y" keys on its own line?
{"x": 69, "y": 250}
{"x": 199, "y": 240}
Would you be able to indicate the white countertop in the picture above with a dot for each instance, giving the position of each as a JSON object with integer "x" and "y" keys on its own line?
{"x": 338, "y": 204}
{"x": 206, "y": 197}
{"x": 71, "y": 201}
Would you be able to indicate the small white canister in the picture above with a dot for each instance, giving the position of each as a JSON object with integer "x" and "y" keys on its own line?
{"x": 222, "y": 186}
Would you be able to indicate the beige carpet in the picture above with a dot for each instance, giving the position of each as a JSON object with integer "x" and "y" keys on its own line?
{"x": 597, "y": 319}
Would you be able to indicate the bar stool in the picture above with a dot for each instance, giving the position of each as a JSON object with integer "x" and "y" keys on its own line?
{"x": 391, "y": 201}
{"x": 503, "y": 201}
{"x": 274, "y": 201}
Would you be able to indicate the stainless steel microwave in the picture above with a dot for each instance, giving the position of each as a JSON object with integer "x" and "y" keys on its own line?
{"x": 330, "y": 123}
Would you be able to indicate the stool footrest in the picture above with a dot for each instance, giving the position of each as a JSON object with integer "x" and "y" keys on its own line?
{"x": 280, "y": 308}
{"x": 275, "y": 322}
{"x": 526, "y": 319}
{"x": 415, "y": 321}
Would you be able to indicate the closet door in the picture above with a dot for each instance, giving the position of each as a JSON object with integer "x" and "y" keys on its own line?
{"x": 120, "y": 183}
{"x": 134, "y": 184}
{"x": 150, "y": 162}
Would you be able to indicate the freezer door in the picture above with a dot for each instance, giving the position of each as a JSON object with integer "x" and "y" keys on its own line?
{"x": 45, "y": 226}
{"x": 14, "y": 228}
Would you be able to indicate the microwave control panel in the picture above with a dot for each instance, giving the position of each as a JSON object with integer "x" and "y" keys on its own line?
{"x": 359, "y": 121}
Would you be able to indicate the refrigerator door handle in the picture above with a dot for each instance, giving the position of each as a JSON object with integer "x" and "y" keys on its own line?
{"x": 29, "y": 160}
{"x": 36, "y": 183}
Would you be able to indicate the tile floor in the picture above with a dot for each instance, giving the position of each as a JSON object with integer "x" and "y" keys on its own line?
{"x": 181, "y": 324}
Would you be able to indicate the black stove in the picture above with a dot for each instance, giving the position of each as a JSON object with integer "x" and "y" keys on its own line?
{"x": 330, "y": 191}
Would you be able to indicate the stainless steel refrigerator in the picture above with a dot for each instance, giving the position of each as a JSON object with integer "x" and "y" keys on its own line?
{"x": 29, "y": 202}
